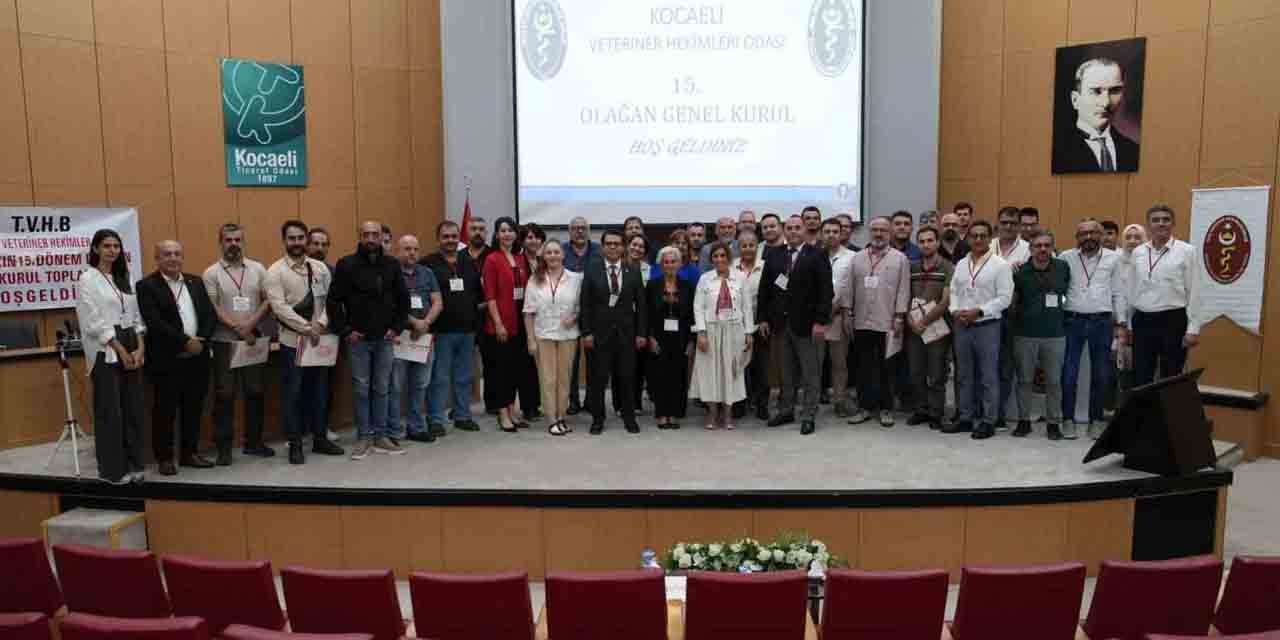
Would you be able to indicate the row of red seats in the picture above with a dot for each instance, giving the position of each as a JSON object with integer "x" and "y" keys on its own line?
{"x": 1130, "y": 599}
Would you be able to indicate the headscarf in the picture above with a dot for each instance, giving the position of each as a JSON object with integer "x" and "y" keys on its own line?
{"x": 1124, "y": 249}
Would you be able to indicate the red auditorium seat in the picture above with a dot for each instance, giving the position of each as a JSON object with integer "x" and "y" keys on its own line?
{"x": 343, "y": 601}
{"x": 472, "y": 607}
{"x": 28, "y": 583}
{"x": 619, "y": 605}
{"x": 223, "y": 593}
{"x": 1251, "y": 600}
{"x": 32, "y": 625}
{"x": 245, "y": 632}
{"x": 1164, "y": 596}
{"x": 735, "y": 606}
{"x": 884, "y": 605}
{"x": 1265, "y": 635}
{"x": 84, "y": 626}
{"x": 111, "y": 582}
{"x": 1017, "y": 603}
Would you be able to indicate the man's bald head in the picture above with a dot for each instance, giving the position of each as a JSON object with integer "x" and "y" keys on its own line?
{"x": 169, "y": 257}
{"x": 408, "y": 250}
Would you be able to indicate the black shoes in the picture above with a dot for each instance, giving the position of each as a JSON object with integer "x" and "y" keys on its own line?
{"x": 984, "y": 431}
{"x": 437, "y": 430}
{"x": 323, "y": 447}
{"x": 935, "y": 425}
{"x": 824, "y": 397}
{"x": 296, "y": 456}
{"x": 632, "y": 427}
{"x": 421, "y": 436}
{"x": 466, "y": 425}
{"x": 738, "y": 411}
{"x": 959, "y": 426}
{"x": 574, "y": 408}
{"x": 597, "y": 428}
{"x": 224, "y": 457}
{"x": 807, "y": 428}
{"x": 258, "y": 450}
{"x": 918, "y": 419}
{"x": 1023, "y": 429}
{"x": 1054, "y": 432}
{"x": 166, "y": 468}
{"x": 781, "y": 419}
{"x": 762, "y": 411}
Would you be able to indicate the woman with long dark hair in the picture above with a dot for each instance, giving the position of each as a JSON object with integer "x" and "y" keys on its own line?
{"x": 114, "y": 350}
{"x": 528, "y": 389}
{"x": 506, "y": 273}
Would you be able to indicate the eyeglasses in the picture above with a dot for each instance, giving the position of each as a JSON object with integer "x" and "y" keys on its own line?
{"x": 612, "y": 243}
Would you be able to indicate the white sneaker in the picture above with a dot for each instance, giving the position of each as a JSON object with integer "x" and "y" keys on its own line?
{"x": 387, "y": 446}
{"x": 1069, "y": 430}
{"x": 886, "y": 419}
{"x": 333, "y": 437}
{"x": 362, "y": 450}
{"x": 137, "y": 477}
{"x": 860, "y": 417}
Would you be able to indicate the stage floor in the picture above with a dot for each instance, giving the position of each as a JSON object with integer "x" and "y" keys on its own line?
{"x": 839, "y": 458}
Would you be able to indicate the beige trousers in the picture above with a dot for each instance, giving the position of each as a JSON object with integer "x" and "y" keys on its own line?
{"x": 555, "y": 358}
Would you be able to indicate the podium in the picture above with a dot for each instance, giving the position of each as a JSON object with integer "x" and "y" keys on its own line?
{"x": 1160, "y": 429}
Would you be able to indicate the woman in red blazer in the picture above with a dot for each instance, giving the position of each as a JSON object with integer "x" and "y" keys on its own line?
{"x": 505, "y": 274}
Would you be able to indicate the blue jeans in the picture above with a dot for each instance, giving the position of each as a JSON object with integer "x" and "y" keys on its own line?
{"x": 452, "y": 365}
{"x": 303, "y": 394}
{"x": 1093, "y": 329}
{"x": 978, "y": 370}
{"x": 414, "y": 377}
{"x": 371, "y": 379}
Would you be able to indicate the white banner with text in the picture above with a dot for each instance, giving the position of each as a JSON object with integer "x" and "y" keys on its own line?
{"x": 43, "y": 250}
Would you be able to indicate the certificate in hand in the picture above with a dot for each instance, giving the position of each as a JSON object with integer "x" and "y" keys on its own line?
{"x": 937, "y": 329}
{"x": 414, "y": 350}
{"x": 321, "y": 354}
{"x": 245, "y": 355}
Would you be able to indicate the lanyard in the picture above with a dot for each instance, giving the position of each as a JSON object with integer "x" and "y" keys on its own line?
{"x": 556, "y": 285}
{"x": 1088, "y": 277}
{"x": 876, "y": 264}
{"x": 410, "y": 279}
{"x": 119, "y": 294}
{"x": 182, "y": 286}
{"x": 1002, "y": 252}
{"x": 238, "y": 283}
{"x": 1151, "y": 266}
{"x": 973, "y": 278}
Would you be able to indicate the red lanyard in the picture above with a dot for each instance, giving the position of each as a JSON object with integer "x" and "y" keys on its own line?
{"x": 238, "y": 283}
{"x": 1151, "y": 266}
{"x": 1088, "y": 277}
{"x": 119, "y": 295}
{"x": 973, "y": 278}
{"x": 556, "y": 285}
{"x": 1002, "y": 252}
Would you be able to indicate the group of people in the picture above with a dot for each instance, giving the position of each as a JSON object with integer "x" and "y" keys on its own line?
{"x": 719, "y": 319}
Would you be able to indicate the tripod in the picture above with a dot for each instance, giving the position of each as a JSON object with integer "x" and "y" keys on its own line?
{"x": 71, "y": 427}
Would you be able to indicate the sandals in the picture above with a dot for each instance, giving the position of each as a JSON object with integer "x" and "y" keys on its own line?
{"x": 504, "y": 428}
{"x": 558, "y": 428}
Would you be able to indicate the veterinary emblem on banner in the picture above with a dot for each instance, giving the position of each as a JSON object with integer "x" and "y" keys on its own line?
{"x": 1229, "y": 232}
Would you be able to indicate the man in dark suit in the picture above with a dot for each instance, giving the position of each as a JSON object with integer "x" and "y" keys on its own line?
{"x": 180, "y": 321}
{"x": 795, "y": 308}
{"x": 612, "y": 319}
{"x": 1093, "y": 145}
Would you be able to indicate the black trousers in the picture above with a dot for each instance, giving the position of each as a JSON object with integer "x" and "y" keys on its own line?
{"x": 638, "y": 381}
{"x": 226, "y": 383}
{"x": 873, "y": 380}
{"x": 528, "y": 388}
{"x": 758, "y": 373}
{"x": 117, "y": 419}
{"x": 1157, "y": 340}
{"x": 668, "y": 371}
{"x": 506, "y": 374}
{"x": 613, "y": 357}
{"x": 488, "y": 359}
{"x": 179, "y": 394}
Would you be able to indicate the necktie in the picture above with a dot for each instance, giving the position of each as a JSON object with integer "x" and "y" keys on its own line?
{"x": 724, "y": 302}
{"x": 1108, "y": 164}
{"x": 613, "y": 280}
{"x": 791, "y": 260}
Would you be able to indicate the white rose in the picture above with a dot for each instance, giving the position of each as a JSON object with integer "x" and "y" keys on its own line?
{"x": 791, "y": 557}
{"x": 764, "y": 555}
{"x": 698, "y": 559}
{"x": 684, "y": 562}
{"x": 714, "y": 550}
{"x": 678, "y": 551}
{"x": 778, "y": 555}
{"x": 803, "y": 557}
{"x": 822, "y": 548}
{"x": 735, "y": 547}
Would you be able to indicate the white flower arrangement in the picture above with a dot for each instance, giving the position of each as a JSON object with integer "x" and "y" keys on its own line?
{"x": 788, "y": 552}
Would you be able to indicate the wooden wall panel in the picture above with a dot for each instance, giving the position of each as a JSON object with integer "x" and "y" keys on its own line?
{"x": 64, "y": 119}
{"x": 980, "y": 192}
{"x": 498, "y": 539}
{"x": 8, "y": 15}
{"x": 839, "y": 529}
{"x": 1098, "y": 531}
{"x": 31, "y": 387}
{"x": 1097, "y": 196}
{"x": 912, "y": 539}
{"x": 1240, "y": 129}
{"x": 129, "y": 23}
{"x": 383, "y": 155}
{"x": 1232, "y": 11}
{"x": 390, "y": 206}
{"x": 257, "y": 30}
{"x": 15, "y": 164}
{"x": 196, "y": 26}
{"x": 155, "y": 222}
{"x": 1027, "y": 114}
{"x": 666, "y": 527}
{"x": 1099, "y": 20}
{"x": 428, "y": 141}
{"x": 330, "y": 126}
{"x": 969, "y": 137}
{"x": 380, "y": 34}
{"x": 195, "y": 116}
{"x": 405, "y": 539}
{"x": 594, "y": 539}
{"x": 972, "y": 28}
{"x": 135, "y": 116}
{"x": 211, "y": 530}
{"x": 423, "y": 32}
{"x": 1162, "y": 16}
{"x": 1034, "y": 25}
{"x": 199, "y": 214}
{"x": 999, "y": 535}
{"x": 295, "y": 535}
{"x": 66, "y": 19}
{"x": 1232, "y": 357}
{"x": 24, "y": 512}
{"x": 322, "y": 35}
{"x": 335, "y": 210}
{"x": 262, "y": 211}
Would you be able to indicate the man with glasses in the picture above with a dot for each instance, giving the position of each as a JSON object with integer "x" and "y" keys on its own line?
{"x": 1015, "y": 251}
{"x": 1165, "y": 304}
{"x": 318, "y": 249}
{"x": 613, "y": 325}
{"x": 953, "y": 246}
{"x": 1039, "y": 287}
{"x": 1029, "y": 223}
{"x": 1095, "y": 308}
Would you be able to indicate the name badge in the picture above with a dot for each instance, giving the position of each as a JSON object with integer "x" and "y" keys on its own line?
{"x": 240, "y": 304}
{"x": 1051, "y": 300}
{"x": 871, "y": 282}
{"x": 518, "y": 293}
{"x": 613, "y": 300}
{"x": 455, "y": 284}
{"x": 415, "y": 302}
{"x": 781, "y": 282}
{"x": 671, "y": 325}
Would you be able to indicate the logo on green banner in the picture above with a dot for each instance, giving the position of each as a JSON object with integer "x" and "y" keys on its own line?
{"x": 264, "y": 123}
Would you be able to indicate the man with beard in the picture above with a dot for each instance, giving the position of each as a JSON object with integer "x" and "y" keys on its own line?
{"x": 462, "y": 299}
{"x": 953, "y": 246}
{"x": 1095, "y": 306}
{"x": 795, "y": 308}
{"x": 369, "y": 294}
{"x": 964, "y": 212}
{"x": 746, "y": 222}
{"x": 477, "y": 251}
{"x": 318, "y": 249}
{"x": 235, "y": 287}
{"x": 903, "y": 225}
{"x": 1163, "y": 299}
{"x": 881, "y": 280}
{"x": 412, "y": 378}
{"x": 1039, "y": 337}
{"x": 1014, "y": 250}
{"x": 1029, "y": 224}
{"x": 835, "y": 342}
{"x": 577, "y": 255}
{"x": 771, "y": 232}
{"x": 930, "y": 280}
{"x": 812, "y": 218}
{"x": 477, "y": 244}
{"x": 981, "y": 291}
{"x": 297, "y": 287}
{"x": 726, "y": 232}
{"x": 696, "y": 232}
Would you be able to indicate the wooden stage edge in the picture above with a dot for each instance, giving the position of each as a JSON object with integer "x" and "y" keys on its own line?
{"x": 541, "y": 531}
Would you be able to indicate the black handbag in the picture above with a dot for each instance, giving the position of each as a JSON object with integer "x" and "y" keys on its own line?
{"x": 307, "y": 306}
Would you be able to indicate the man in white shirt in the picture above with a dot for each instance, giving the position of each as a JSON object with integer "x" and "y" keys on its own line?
{"x": 836, "y": 340}
{"x": 1014, "y": 250}
{"x": 1094, "y": 306}
{"x": 1164, "y": 302}
{"x": 981, "y": 290}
